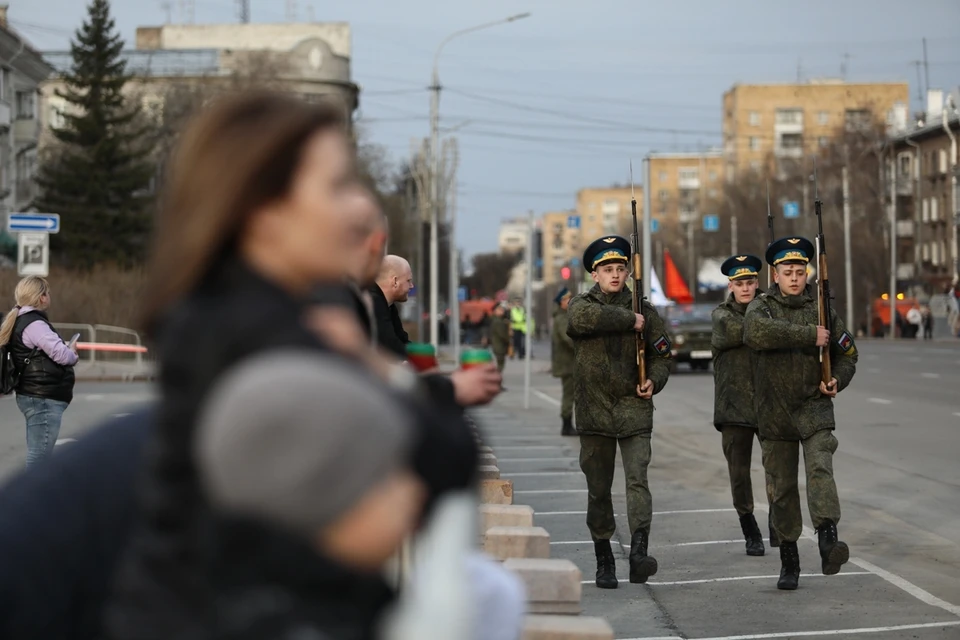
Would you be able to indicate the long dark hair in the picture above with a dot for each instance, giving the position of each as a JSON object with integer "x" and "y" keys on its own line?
{"x": 237, "y": 156}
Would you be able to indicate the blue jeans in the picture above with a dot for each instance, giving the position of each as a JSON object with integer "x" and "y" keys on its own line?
{"x": 43, "y": 425}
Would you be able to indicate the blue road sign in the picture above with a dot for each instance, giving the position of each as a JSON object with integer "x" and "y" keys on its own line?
{"x": 791, "y": 209}
{"x": 654, "y": 225}
{"x": 711, "y": 222}
{"x": 538, "y": 262}
{"x": 574, "y": 262}
{"x": 33, "y": 222}
{"x": 573, "y": 222}
{"x": 462, "y": 294}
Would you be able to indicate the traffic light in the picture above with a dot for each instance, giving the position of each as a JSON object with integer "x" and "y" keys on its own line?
{"x": 565, "y": 273}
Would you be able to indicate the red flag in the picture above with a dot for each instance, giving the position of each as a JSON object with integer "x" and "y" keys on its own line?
{"x": 674, "y": 286}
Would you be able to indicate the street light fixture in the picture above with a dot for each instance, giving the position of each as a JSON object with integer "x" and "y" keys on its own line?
{"x": 435, "y": 172}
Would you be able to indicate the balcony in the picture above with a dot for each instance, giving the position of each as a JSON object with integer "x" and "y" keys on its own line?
{"x": 26, "y": 130}
{"x": 4, "y": 114}
{"x": 904, "y": 185}
{"x": 905, "y": 271}
{"x": 904, "y": 228}
{"x": 788, "y": 121}
{"x": 788, "y": 145}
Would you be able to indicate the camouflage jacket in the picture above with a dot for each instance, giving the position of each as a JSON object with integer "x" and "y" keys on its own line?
{"x": 562, "y": 353}
{"x": 734, "y": 365}
{"x": 788, "y": 400}
{"x": 500, "y": 334}
{"x": 605, "y": 371}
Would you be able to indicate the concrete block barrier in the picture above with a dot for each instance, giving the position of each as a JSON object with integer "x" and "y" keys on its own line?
{"x": 517, "y": 542}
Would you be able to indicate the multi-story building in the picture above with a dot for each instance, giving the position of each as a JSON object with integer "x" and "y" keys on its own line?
{"x": 561, "y": 243}
{"x": 684, "y": 185}
{"x": 22, "y": 69}
{"x": 782, "y": 123}
{"x": 513, "y": 235}
{"x": 309, "y": 59}
{"x": 927, "y": 169}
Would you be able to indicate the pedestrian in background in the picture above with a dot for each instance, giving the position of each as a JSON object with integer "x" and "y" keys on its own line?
{"x": 45, "y": 365}
{"x": 562, "y": 360}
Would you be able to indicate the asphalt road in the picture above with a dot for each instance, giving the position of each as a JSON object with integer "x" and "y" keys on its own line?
{"x": 898, "y": 475}
{"x": 897, "y": 470}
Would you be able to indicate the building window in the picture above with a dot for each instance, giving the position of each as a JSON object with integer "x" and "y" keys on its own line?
{"x": 663, "y": 194}
{"x": 823, "y": 118}
{"x": 925, "y": 208}
{"x": 756, "y": 165}
{"x": 857, "y": 119}
{"x": 934, "y": 214}
{"x": 790, "y": 116}
{"x": 754, "y": 119}
{"x": 791, "y": 141}
{"x": 713, "y": 193}
{"x": 943, "y": 160}
{"x": 731, "y": 172}
{"x": 904, "y": 169}
{"x": 713, "y": 176}
{"x": 754, "y": 143}
{"x": 611, "y": 207}
{"x": 823, "y": 141}
{"x": 663, "y": 176}
{"x": 25, "y": 105}
{"x": 688, "y": 175}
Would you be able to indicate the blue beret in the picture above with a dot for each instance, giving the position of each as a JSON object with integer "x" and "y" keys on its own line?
{"x": 563, "y": 293}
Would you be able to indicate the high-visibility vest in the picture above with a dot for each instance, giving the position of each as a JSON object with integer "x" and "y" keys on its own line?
{"x": 518, "y": 320}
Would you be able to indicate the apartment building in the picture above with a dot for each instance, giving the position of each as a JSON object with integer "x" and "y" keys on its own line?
{"x": 562, "y": 242}
{"x": 777, "y": 124}
{"x": 309, "y": 59}
{"x": 22, "y": 69}
{"x": 684, "y": 185}
{"x": 924, "y": 161}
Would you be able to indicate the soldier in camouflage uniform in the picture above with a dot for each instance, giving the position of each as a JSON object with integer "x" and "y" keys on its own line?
{"x": 500, "y": 335}
{"x": 734, "y": 365}
{"x": 611, "y": 407}
{"x": 795, "y": 408}
{"x": 562, "y": 360}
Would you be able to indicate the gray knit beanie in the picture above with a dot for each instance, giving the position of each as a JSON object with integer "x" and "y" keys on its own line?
{"x": 298, "y": 438}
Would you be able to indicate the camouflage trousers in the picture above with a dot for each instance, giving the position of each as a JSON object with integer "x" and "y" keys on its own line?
{"x": 566, "y": 401}
{"x": 737, "y": 445}
{"x": 780, "y": 461}
{"x": 598, "y": 458}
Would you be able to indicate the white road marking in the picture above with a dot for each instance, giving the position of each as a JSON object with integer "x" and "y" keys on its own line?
{"x": 734, "y": 578}
{"x": 93, "y": 396}
{"x": 543, "y": 396}
{"x": 696, "y": 544}
{"x": 121, "y": 415}
{"x": 957, "y": 413}
{"x": 528, "y": 447}
{"x": 535, "y": 474}
{"x": 880, "y": 400}
{"x": 537, "y": 459}
{"x": 825, "y": 632}
{"x": 64, "y": 441}
{"x": 656, "y": 513}
{"x": 918, "y": 593}
{"x": 589, "y": 542}
{"x": 931, "y": 376}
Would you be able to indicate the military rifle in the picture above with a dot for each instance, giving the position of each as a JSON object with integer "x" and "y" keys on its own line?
{"x": 769, "y": 226}
{"x": 637, "y": 284}
{"x": 823, "y": 284}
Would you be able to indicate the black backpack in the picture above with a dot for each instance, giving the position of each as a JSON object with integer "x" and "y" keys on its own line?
{"x": 9, "y": 371}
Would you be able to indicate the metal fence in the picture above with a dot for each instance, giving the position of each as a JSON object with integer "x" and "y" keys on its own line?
{"x": 105, "y": 343}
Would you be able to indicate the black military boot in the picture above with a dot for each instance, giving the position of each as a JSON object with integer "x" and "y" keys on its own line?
{"x": 606, "y": 565}
{"x": 790, "y": 566}
{"x": 642, "y": 566}
{"x": 833, "y": 552}
{"x": 774, "y": 538}
{"x": 568, "y": 429}
{"x": 748, "y": 524}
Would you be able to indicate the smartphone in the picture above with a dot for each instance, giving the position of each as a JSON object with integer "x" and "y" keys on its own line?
{"x": 73, "y": 340}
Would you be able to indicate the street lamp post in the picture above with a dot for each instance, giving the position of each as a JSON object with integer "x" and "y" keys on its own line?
{"x": 435, "y": 163}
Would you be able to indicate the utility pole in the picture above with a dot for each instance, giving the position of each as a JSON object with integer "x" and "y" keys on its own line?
{"x": 435, "y": 162}
{"x": 893, "y": 246}
{"x": 733, "y": 235}
{"x": 646, "y": 257}
{"x": 847, "y": 257}
{"x": 528, "y": 304}
{"x": 454, "y": 273}
{"x": 243, "y": 10}
{"x": 691, "y": 259}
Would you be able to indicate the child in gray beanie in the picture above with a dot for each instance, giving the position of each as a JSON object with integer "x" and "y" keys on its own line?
{"x": 313, "y": 445}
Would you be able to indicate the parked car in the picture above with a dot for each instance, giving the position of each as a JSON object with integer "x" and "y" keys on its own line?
{"x": 690, "y": 326}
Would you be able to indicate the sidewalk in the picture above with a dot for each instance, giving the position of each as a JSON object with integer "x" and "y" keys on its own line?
{"x": 706, "y": 587}
{"x": 114, "y": 372}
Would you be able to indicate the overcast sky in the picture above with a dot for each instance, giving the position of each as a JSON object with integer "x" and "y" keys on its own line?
{"x": 562, "y": 99}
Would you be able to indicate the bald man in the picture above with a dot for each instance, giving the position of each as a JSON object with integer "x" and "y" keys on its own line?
{"x": 393, "y": 285}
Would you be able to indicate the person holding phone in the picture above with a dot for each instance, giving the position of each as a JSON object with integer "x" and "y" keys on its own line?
{"x": 45, "y": 363}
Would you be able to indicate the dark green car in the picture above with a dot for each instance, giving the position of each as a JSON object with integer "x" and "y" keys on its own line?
{"x": 691, "y": 326}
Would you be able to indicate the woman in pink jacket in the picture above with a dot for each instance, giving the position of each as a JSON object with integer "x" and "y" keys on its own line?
{"x": 45, "y": 363}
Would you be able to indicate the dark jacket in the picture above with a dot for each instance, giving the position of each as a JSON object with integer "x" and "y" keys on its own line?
{"x": 169, "y": 575}
{"x": 41, "y": 377}
{"x": 561, "y": 355}
{"x": 81, "y": 504}
{"x": 784, "y": 330}
{"x": 605, "y": 375}
{"x": 734, "y": 367}
{"x": 390, "y": 333}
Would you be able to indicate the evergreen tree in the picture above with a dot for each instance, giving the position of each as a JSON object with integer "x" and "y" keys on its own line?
{"x": 97, "y": 174}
